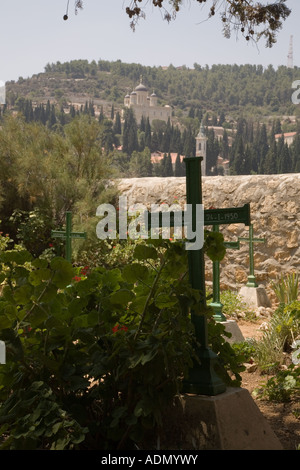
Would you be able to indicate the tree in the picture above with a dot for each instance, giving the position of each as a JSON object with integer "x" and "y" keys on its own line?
{"x": 130, "y": 139}
{"x": 179, "y": 166}
{"x": 117, "y": 124}
{"x": 140, "y": 164}
{"x": 249, "y": 17}
{"x": 212, "y": 151}
{"x": 270, "y": 163}
{"x": 168, "y": 166}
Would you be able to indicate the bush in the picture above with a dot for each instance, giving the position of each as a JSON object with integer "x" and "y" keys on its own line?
{"x": 94, "y": 355}
{"x": 277, "y": 340}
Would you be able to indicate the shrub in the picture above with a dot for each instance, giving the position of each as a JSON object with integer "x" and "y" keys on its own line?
{"x": 94, "y": 356}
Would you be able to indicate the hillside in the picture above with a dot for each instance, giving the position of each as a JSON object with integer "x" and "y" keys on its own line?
{"x": 232, "y": 90}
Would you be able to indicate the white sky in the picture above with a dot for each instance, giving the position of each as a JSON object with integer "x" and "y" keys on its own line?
{"x": 33, "y": 33}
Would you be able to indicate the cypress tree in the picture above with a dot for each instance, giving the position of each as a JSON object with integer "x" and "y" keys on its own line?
{"x": 285, "y": 161}
{"x": 147, "y": 134}
{"x": 168, "y": 166}
{"x": 117, "y": 124}
{"x": 178, "y": 170}
{"x": 270, "y": 162}
{"x": 130, "y": 139}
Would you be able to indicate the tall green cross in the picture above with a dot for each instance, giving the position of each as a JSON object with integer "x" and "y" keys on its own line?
{"x": 68, "y": 235}
{"x": 251, "y": 240}
{"x": 202, "y": 378}
{"x": 216, "y": 304}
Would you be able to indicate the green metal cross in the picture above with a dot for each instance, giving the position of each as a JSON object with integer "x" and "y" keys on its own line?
{"x": 202, "y": 378}
{"x": 68, "y": 235}
{"x": 216, "y": 304}
{"x": 251, "y": 240}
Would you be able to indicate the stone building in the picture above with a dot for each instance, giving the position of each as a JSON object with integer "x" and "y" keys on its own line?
{"x": 145, "y": 105}
{"x": 201, "y": 143}
{"x": 287, "y": 136}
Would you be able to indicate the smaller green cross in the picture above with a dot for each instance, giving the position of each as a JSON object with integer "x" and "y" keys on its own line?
{"x": 216, "y": 304}
{"x": 251, "y": 240}
{"x": 68, "y": 235}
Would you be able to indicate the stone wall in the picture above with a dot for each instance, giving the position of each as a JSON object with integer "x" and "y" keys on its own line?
{"x": 275, "y": 214}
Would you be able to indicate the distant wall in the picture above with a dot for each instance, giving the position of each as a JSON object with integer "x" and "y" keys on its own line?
{"x": 275, "y": 214}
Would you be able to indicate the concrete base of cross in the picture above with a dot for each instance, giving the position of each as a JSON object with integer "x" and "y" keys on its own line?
{"x": 236, "y": 335}
{"x": 229, "y": 421}
{"x": 255, "y": 296}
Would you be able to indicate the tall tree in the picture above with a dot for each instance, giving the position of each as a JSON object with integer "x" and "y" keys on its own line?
{"x": 130, "y": 139}
{"x": 212, "y": 151}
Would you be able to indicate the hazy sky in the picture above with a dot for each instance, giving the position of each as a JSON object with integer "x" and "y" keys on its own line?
{"x": 33, "y": 33}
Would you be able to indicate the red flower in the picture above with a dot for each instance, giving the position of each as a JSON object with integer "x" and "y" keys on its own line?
{"x": 50, "y": 244}
{"x": 77, "y": 278}
{"x": 84, "y": 270}
{"x": 117, "y": 327}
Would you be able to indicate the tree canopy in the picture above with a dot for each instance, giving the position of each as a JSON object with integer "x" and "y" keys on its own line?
{"x": 251, "y": 18}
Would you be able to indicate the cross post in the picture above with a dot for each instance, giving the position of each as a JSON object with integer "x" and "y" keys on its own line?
{"x": 216, "y": 304}
{"x": 202, "y": 378}
{"x": 251, "y": 240}
{"x": 68, "y": 235}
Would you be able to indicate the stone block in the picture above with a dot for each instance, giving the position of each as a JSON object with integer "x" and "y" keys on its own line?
{"x": 232, "y": 327}
{"x": 228, "y": 421}
{"x": 255, "y": 296}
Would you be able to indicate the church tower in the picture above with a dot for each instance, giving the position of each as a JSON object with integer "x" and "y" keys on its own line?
{"x": 201, "y": 143}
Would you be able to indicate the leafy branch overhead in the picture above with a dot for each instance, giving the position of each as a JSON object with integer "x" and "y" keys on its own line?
{"x": 251, "y": 18}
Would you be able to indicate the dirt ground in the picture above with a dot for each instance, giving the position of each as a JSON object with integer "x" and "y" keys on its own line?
{"x": 284, "y": 418}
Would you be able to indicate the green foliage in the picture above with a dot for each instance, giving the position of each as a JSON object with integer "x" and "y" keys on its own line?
{"x": 233, "y": 305}
{"x": 286, "y": 288}
{"x": 278, "y": 338}
{"x": 282, "y": 387}
{"x": 95, "y": 355}
{"x": 252, "y": 19}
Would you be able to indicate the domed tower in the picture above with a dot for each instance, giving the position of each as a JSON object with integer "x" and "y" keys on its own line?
{"x": 201, "y": 142}
{"x": 133, "y": 97}
{"x": 142, "y": 93}
{"x": 127, "y": 100}
{"x": 153, "y": 99}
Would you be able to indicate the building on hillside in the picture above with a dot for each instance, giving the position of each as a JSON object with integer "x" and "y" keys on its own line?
{"x": 287, "y": 136}
{"x": 145, "y": 105}
{"x": 201, "y": 144}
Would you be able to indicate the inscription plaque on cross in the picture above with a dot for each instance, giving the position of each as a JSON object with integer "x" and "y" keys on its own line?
{"x": 216, "y": 304}
{"x": 251, "y": 240}
{"x": 68, "y": 236}
{"x": 202, "y": 378}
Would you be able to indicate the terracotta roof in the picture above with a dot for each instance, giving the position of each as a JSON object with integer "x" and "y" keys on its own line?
{"x": 286, "y": 134}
